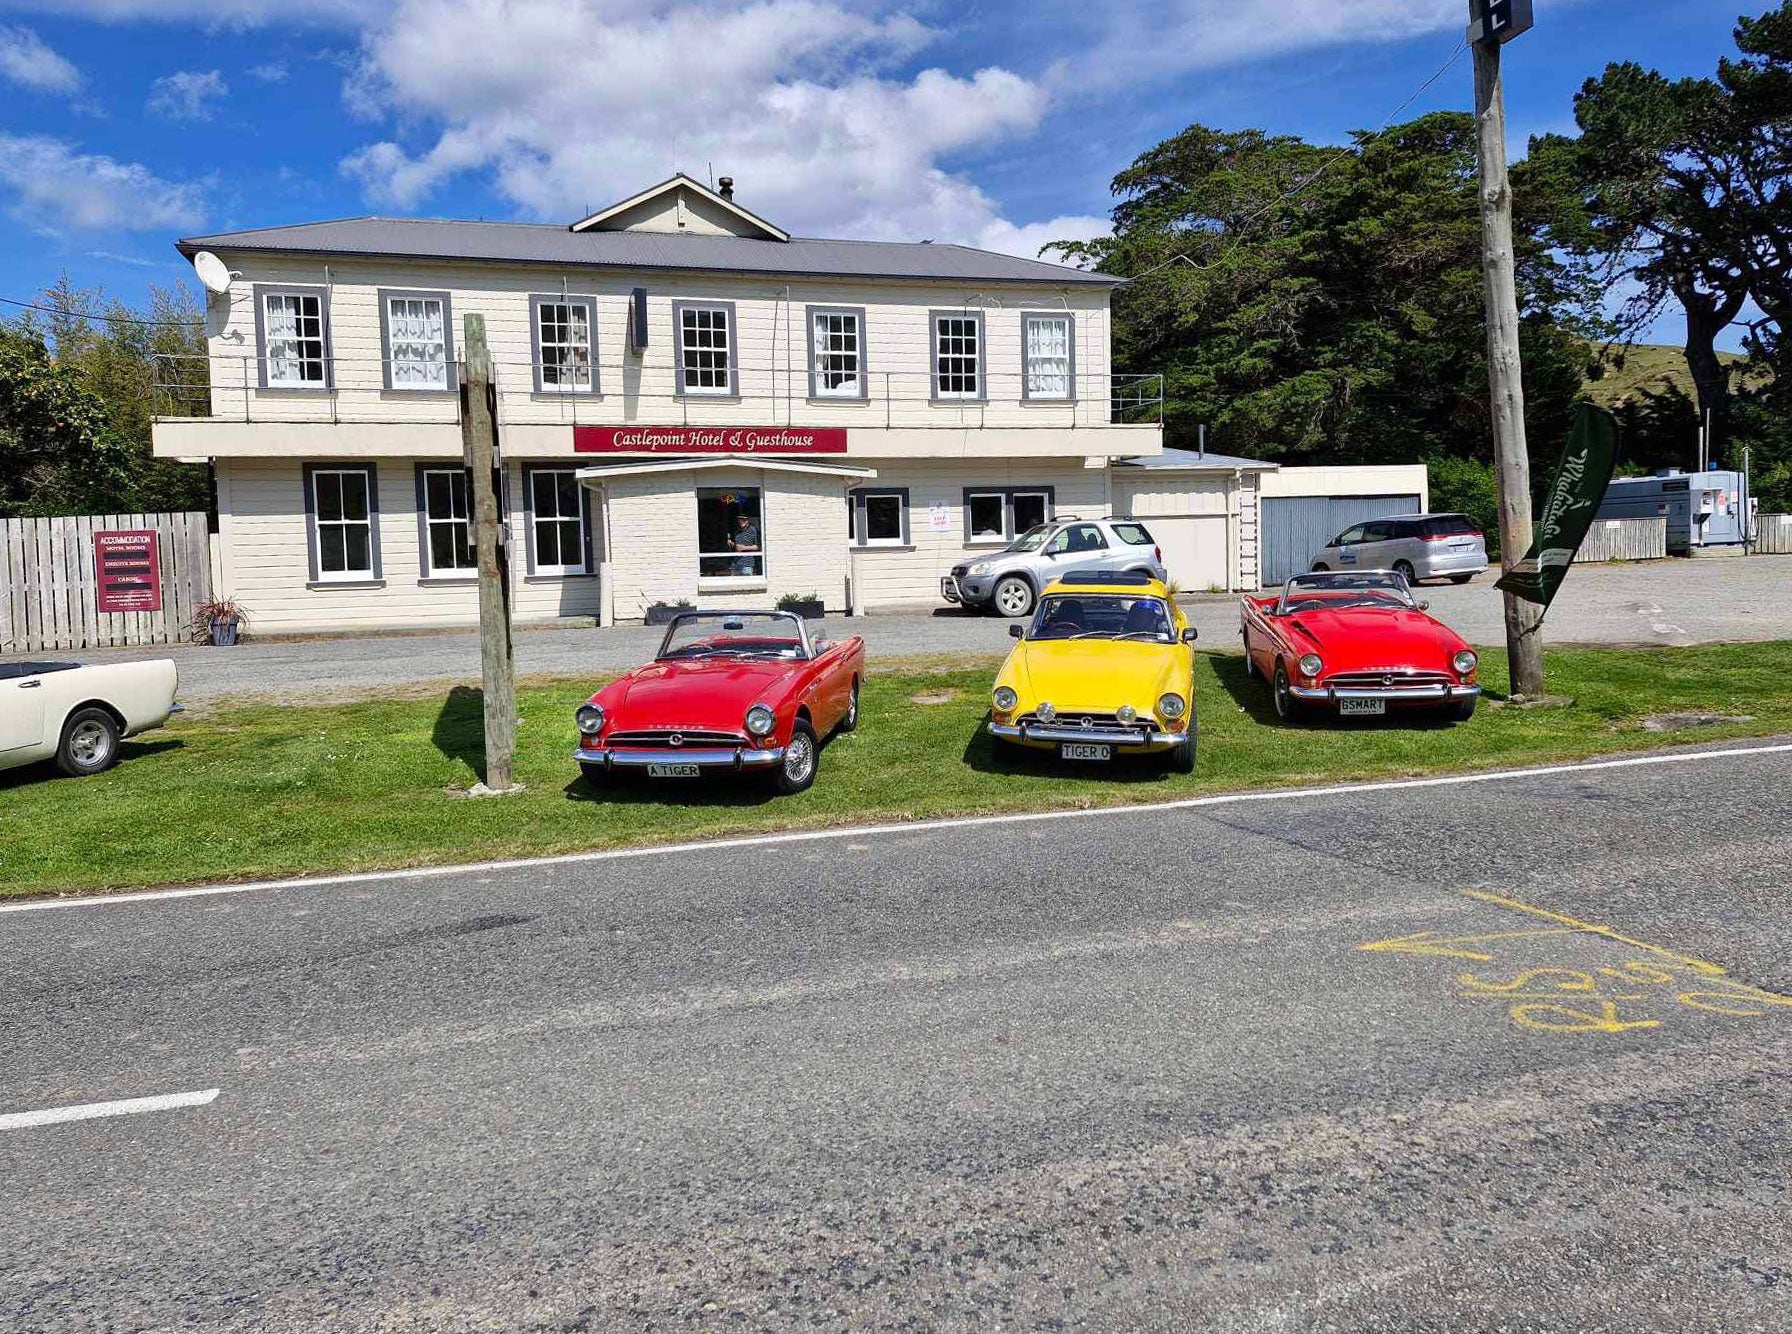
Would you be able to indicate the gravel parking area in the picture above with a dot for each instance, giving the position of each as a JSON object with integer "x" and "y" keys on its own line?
{"x": 1662, "y": 602}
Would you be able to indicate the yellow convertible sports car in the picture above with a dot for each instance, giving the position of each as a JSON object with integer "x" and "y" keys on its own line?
{"x": 1105, "y": 668}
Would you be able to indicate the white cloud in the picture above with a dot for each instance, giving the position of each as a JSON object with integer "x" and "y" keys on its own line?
{"x": 228, "y": 13}
{"x": 27, "y": 60}
{"x": 188, "y": 94}
{"x": 1000, "y": 234}
{"x": 274, "y": 71}
{"x": 56, "y": 188}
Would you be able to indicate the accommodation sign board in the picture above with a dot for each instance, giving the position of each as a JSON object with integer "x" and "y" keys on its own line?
{"x": 709, "y": 439}
{"x": 127, "y": 571}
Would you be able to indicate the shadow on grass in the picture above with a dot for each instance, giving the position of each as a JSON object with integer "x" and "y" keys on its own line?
{"x": 459, "y": 732}
{"x": 129, "y": 752}
{"x": 984, "y": 754}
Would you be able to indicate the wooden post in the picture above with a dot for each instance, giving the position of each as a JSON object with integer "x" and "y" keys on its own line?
{"x": 478, "y": 433}
{"x": 1524, "y": 641}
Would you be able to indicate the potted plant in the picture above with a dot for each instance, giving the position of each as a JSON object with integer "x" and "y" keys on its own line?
{"x": 806, "y": 605}
{"x": 218, "y": 622}
{"x": 661, "y": 613}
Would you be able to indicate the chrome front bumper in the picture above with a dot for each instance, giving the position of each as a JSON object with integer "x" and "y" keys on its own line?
{"x": 1122, "y": 739}
{"x": 1438, "y": 694}
{"x": 729, "y": 758}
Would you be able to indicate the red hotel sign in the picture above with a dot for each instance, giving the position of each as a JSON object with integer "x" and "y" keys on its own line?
{"x": 709, "y": 439}
{"x": 128, "y": 570}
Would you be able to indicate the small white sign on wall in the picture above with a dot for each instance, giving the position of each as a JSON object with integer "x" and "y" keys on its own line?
{"x": 939, "y": 519}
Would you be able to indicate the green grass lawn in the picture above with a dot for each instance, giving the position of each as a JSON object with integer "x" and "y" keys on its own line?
{"x": 274, "y": 790}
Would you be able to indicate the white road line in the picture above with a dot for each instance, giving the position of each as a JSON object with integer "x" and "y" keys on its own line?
{"x": 88, "y": 1111}
{"x": 880, "y": 830}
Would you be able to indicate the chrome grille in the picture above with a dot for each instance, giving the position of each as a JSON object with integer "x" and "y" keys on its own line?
{"x": 1395, "y": 678}
{"x": 660, "y": 738}
{"x": 1079, "y": 721}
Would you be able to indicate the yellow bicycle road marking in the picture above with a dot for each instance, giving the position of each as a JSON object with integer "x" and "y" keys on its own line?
{"x": 1452, "y": 947}
{"x": 1699, "y": 965}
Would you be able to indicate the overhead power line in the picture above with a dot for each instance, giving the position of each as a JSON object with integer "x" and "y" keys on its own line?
{"x": 109, "y": 319}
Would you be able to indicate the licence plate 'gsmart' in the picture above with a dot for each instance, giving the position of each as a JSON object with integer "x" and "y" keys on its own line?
{"x": 1363, "y": 706}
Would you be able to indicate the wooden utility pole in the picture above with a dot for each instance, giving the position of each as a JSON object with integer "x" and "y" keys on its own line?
{"x": 1524, "y": 640}
{"x": 479, "y": 436}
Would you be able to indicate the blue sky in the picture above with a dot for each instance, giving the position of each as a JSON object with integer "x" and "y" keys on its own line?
{"x": 126, "y": 123}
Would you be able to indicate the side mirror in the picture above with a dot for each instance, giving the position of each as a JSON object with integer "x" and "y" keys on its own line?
{"x": 1016, "y": 630}
{"x": 820, "y": 646}
{"x": 1422, "y": 605}
{"x": 1190, "y": 634}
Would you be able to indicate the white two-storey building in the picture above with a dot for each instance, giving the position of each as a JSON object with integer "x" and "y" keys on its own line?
{"x": 692, "y": 405}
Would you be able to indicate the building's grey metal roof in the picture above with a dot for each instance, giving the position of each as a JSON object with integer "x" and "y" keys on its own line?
{"x": 1187, "y": 460}
{"x": 546, "y": 243}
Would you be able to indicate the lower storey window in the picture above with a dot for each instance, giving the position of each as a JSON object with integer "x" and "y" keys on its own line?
{"x": 556, "y": 522}
{"x": 448, "y": 545}
{"x": 1003, "y": 514}
{"x": 730, "y": 536}
{"x": 342, "y": 523}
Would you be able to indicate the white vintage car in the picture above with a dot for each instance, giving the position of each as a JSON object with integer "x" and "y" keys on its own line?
{"x": 77, "y": 715}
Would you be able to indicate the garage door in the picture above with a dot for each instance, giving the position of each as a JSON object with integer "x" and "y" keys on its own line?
{"x": 1194, "y": 547}
{"x": 1296, "y": 527}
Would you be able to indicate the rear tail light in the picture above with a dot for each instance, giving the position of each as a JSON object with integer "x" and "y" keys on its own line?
{"x": 1157, "y": 554}
{"x": 1448, "y": 537}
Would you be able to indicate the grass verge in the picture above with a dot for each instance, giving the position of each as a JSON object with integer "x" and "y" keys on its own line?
{"x": 270, "y": 790}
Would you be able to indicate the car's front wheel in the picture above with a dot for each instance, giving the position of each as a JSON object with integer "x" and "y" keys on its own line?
{"x": 1181, "y": 759}
{"x": 89, "y": 743}
{"x": 796, "y": 771}
{"x": 1013, "y": 596}
{"x": 596, "y": 776}
{"x": 1321, "y": 568}
{"x": 1288, "y": 708}
{"x": 851, "y": 720}
{"x": 1462, "y": 710}
{"x": 1460, "y": 578}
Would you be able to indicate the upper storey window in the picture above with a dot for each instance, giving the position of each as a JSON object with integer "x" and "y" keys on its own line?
{"x": 292, "y": 328}
{"x": 705, "y": 345}
{"x": 836, "y": 352}
{"x": 565, "y": 344}
{"x": 417, "y": 340}
{"x": 958, "y": 354}
{"x": 1050, "y": 347}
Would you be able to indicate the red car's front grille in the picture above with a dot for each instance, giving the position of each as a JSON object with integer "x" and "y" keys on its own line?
{"x": 660, "y": 738}
{"x": 1394, "y": 676}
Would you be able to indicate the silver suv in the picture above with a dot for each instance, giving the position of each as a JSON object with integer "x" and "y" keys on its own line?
{"x": 1009, "y": 580}
{"x": 1419, "y": 546}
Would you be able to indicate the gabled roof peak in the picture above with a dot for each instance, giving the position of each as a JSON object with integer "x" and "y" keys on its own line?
{"x": 672, "y": 190}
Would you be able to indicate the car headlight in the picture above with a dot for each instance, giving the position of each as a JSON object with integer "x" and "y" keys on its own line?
{"x": 591, "y": 718}
{"x": 760, "y": 720}
{"x": 1006, "y": 698}
{"x": 1045, "y": 711}
{"x": 1126, "y": 713}
{"x": 1464, "y": 662}
{"x": 981, "y": 567}
{"x": 1171, "y": 707}
{"x": 1309, "y": 664}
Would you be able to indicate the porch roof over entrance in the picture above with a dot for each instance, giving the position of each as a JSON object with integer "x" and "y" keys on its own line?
{"x": 602, "y": 472}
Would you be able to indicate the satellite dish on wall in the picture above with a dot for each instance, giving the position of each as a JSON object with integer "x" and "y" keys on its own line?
{"x": 212, "y": 272}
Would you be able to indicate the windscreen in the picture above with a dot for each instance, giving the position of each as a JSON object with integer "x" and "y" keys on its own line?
{"x": 1335, "y": 590}
{"x": 1102, "y": 616}
{"x": 759, "y": 634}
{"x": 1032, "y": 538}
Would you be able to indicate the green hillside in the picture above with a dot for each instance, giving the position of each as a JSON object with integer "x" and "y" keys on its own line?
{"x": 1642, "y": 369}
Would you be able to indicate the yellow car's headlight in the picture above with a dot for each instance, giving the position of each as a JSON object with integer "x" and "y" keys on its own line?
{"x": 1006, "y": 699}
{"x": 1171, "y": 707}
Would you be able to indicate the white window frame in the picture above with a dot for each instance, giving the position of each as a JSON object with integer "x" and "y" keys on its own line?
{"x": 1007, "y": 496}
{"x": 730, "y": 386}
{"x": 537, "y": 342}
{"x": 732, "y": 577}
{"x": 427, "y": 522}
{"x": 979, "y": 392}
{"x": 1045, "y": 494}
{"x": 1033, "y": 363}
{"x": 861, "y": 517}
{"x": 536, "y": 567}
{"x": 369, "y": 479}
{"x": 266, "y": 339}
{"x": 857, "y": 389}
{"x": 443, "y": 345}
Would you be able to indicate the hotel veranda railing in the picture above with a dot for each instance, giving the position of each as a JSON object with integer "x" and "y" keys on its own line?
{"x": 230, "y": 389}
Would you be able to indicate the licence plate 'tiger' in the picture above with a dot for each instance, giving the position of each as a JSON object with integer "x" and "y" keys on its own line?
{"x": 1085, "y": 750}
{"x": 1366, "y": 706}
{"x": 672, "y": 771}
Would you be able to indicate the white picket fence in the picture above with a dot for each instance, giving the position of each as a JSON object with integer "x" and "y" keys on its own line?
{"x": 1773, "y": 534}
{"x": 1624, "y": 539}
{"x": 49, "y": 598}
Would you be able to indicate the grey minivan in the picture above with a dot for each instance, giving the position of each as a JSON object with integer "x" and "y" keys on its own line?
{"x": 1419, "y": 546}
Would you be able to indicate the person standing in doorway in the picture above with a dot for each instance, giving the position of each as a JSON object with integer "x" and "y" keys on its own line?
{"x": 746, "y": 538}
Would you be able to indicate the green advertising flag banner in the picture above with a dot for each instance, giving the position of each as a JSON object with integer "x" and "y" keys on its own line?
{"x": 1580, "y": 481}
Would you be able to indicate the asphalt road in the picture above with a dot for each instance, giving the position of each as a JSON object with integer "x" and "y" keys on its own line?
{"x": 1115, "y": 1071}
{"x": 1662, "y": 602}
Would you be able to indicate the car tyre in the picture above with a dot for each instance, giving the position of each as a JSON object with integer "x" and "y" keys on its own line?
{"x": 1181, "y": 759}
{"x": 1288, "y": 708}
{"x": 1462, "y": 710}
{"x": 1013, "y": 597}
{"x": 1322, "y": 568}
{"x": 1404, "y": 569}
{"x": 596, "y": 776}
{"x": 796, "y": 771}
{"x": 851, "y": 721}
{"x": 1250, "y": 665}
{"x": 89, "y": 743}
{"x": 1460, "y": 578}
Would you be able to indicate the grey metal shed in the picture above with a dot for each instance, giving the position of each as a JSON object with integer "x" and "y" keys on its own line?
{"x": 1295, "y": 527}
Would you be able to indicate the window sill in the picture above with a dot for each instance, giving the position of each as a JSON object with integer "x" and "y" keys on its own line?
{"x": 719, "y": 583}
{"x": 320, "y": 585}
{"x": 843, "y": 401}
{"x": 558, "y": 578}
{"x": 299, "y": 390}
{"x": 882, "y": 546}
{"x": 419, "y": 391}
{"x": 986, "y": 544}
{"x": 448, "y": 580}
{"x": 1047, "y": 402}
{"x": 686, "y": 396}
{"x": 958, "y": 402}
{"x": 577, "y": 395}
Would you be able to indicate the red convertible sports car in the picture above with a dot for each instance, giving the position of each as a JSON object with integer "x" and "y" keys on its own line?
{"x": 1356, "y": 643}
{"x": 729, "y": 690}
